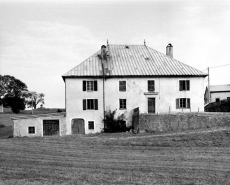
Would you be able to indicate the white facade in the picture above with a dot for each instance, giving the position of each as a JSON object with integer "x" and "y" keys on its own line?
{"x": 22, "y": 125}
{"x": 215, "y": 96}
{"x": 136, "y": 95}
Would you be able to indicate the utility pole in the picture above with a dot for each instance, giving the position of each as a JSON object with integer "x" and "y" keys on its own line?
{"x": 209, "y": 95}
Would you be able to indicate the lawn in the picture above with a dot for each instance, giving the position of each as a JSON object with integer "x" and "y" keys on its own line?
{"x": 189, "y": 159}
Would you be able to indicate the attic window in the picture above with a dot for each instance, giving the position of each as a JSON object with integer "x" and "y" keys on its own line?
{"x": 127, "y": 47}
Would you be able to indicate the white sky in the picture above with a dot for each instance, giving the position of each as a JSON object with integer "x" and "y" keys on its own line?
{"x": 42, "y": 40}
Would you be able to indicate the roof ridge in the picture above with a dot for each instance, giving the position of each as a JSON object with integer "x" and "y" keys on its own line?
{"x": 136, "y": 60}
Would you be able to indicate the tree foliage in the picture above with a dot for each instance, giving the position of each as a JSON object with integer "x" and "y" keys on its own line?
{"x": 11, "y": 93}
{"x": 16, "y": 103}
{"x": 113, "y": 124}
{"x": 34, "y": 98}
{"x": 11, "y": 86}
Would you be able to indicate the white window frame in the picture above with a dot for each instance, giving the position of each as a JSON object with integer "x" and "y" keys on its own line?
{"x": 89, "y": 85}
{"x": 31, "y": 127}
{"x": 125, "y": 85}
{"x": 122, "y": 105}
{"x": 94, "y": 104}
{"x": 93, "y": 124}
{"x": 182, "y": 103}
{"x": 148, "y": 85}
{"x": 185, "y": 87}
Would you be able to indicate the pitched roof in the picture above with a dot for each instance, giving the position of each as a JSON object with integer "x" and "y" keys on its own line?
{"x": 219, "y": 88}
{"x": 133, "y": 60}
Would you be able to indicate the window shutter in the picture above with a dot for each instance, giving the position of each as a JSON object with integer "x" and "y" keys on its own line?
{"x": 181, "y": 85}
{"x": 188, "y": 102}
{"x": 96, "y": 104}
{"x": 95, "y": 85}
{"x": 84, "y": 104}
{"x": 177, "y": 103}
{"x": 84, "y": 85}
{"x": 124, "y": 85}
{"x": 188, "y": 85}
{"x": 153, "y": 85}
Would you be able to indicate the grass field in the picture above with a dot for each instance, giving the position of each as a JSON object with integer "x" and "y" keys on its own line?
{"x": 188, "y": 159}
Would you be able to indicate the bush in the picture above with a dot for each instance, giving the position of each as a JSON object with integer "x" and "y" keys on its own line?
{"x": 2, "y": 126}
{"x": 59, "y": 110}
{"x": 113, "y": 124}
{"x": 222, "y": 106}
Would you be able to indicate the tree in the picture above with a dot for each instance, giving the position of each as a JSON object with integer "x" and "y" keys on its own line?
{"x": 11, "y": 86}
{"x": 11, "y": 93}
{"x": 16, "y": 103}
{"x": 34, "y": 98}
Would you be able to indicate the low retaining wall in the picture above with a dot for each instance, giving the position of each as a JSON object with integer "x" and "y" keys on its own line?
{"x": 180, "y": 122}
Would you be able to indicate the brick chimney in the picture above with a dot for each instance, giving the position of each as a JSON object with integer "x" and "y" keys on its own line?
{"x": 103, "y": 52}
{"x": 169, "y": 50}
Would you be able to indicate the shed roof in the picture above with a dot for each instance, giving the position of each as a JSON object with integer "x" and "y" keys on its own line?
{"x": 132, "y": 60}
{"x": 61, "y": 114}
{"x": 220, "y": 88}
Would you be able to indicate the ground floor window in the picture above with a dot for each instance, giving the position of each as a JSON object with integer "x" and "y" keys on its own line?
{"x": 217, "y": 99}
{"x": 183, "y": 103}
{"x": 91, "y": 125}
{"x": 31, "y": 130}
{"x": 122, "y": 103}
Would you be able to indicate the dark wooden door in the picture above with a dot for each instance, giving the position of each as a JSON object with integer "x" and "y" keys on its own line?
{"x": 78, "y": 126}
{"x": 151, "y": 105}
{"x": 50, "y": 127}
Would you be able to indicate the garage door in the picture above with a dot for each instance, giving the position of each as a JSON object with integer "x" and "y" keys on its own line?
{"x": 50, "y": 127}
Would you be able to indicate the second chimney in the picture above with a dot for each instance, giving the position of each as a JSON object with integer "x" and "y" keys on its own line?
{"x": 169, "y": 50}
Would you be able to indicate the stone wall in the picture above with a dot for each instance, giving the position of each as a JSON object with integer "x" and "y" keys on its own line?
{"x": 182, "y": 121}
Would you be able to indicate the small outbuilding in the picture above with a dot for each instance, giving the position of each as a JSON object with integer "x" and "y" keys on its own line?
{"x": 39, "y": 125}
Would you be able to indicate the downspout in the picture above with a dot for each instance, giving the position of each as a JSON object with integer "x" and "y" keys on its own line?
{"x": 103, "y": 71}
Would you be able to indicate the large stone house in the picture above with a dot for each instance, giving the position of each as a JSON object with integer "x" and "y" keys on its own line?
{"x": 123, "y": 77}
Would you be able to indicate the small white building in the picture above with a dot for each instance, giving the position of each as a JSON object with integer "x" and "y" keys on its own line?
{"x": 39, "y": 125}
{"x": 124, "y": 77}
{"x": 218, "y": 93}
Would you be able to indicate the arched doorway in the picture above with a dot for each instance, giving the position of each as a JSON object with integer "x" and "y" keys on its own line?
{"x": 78, "y": 126}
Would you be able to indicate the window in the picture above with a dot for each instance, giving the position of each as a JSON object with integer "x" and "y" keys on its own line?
{"x": 217, "y": 99}
{"x": 151, "y": 85}
{"x": 91, "y": 125}
{"x": 31, "y": 130}
{"x": 228, "y": 98}
{"x": 89, "y": 85}
{"x": 184, "y": 85}
{"x": 122, "y": 85}
{"x": 122, "y": 103}
{"x": 90, "y": 104}
{"x": 183, "y": 103}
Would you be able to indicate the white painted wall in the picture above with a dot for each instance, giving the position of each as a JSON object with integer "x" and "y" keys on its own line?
{"x": 21, "y": 126}
{"x": 167, "y": 92}
{"x": 221, "y": 95}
